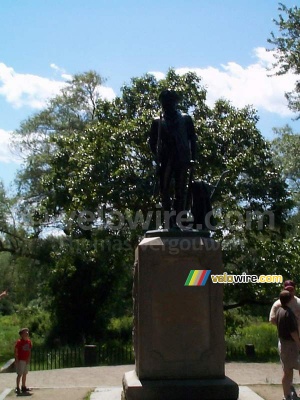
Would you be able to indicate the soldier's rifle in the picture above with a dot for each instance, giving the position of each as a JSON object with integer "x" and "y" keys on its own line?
{"x": 158, "y": 155}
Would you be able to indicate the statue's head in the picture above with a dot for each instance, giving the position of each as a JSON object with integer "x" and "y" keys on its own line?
{"x": 168, "y": 99}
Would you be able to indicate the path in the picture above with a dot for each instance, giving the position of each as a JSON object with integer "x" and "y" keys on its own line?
{"x": 74, "y": 383}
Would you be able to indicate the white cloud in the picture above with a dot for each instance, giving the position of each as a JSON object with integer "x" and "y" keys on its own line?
{"x": 61, "y": 71}
{"x": 251, "y": 85}
{"x": 56, "y": 68}
{"x": 32, "y": 90}
{"x": 26, "y": 89}
{"x": 158, "y": 75}
{"x": 264, "y": 57}
{"x": 106, "y": 93}
{"x": 6, "y": 155}
{"x": 67, "y": 77}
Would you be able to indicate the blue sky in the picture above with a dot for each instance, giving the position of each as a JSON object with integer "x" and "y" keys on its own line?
{"x": 45, "y": 42}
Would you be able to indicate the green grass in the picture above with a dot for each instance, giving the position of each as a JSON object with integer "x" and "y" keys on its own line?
{"x": 88, "y": 395}
{"x": 9, "y": 328}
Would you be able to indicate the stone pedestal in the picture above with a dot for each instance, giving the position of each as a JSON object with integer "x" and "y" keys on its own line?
{"x": 178, "y": 330}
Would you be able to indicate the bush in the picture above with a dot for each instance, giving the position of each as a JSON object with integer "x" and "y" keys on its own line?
{"x": 37, "y": 320}
{"x": 235, "y": 320}
{"x": 262, "y": 335}
{"x": 265, "y": 339}
{"x": 120, "y": 328}
{"x": 9, "y": 328}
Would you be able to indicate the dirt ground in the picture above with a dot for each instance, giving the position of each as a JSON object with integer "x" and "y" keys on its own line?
{"x": 55, "y": 394}
{"x": 268, "y": 392}
{"x": 76, "y": 383}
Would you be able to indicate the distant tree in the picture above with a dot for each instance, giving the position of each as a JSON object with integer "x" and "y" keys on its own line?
{"x": 11, "y": 236}
{"x": 23, "y": 257}
{"x": 287, "y": 49}
{"x": 89, "y": 283}
{"x": 286, "y": 155}
{"x": 65, "y": 121}
{"x": 70, "y": 111}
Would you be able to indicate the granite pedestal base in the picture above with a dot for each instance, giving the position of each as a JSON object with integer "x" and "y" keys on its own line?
{"x": 188, "y": 389}
{"x": 178, "y": 329}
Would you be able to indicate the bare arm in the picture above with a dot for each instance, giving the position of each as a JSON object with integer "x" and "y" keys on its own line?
{"x": 272, "y": 316}
{"x": 3, "y": 294}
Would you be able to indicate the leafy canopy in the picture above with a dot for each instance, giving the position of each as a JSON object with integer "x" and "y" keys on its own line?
{"x": 287, "y": 47}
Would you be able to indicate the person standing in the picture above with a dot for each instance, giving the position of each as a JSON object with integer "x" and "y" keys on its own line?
{"x": 22, "y": 359}
{"x": 289, "y": 342}
{"x": 294, "y": 304}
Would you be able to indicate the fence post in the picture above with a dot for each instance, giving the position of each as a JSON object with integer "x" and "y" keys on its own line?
{"x": 250, "y": 350}
{"x": 90, "y": 355}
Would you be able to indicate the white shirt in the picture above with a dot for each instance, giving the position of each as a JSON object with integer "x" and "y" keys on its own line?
{"x": 294, "y": 305}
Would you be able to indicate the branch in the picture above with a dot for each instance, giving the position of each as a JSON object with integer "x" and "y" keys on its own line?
{"x": 248, "y": 301}
{"x": 11, "y": 234}
{"x": 6, "y": 249}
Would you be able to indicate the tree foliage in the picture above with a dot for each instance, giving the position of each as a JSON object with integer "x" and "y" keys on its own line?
{"x": 286, "y": 155}
{"x": 90, "y": 172}
{"x": 287, "y": 47}
{"x": 70, "y": 111}
{"x": 24, "y": 259}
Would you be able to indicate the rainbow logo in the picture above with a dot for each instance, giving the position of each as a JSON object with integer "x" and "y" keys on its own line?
{"x": 197, "y": 277}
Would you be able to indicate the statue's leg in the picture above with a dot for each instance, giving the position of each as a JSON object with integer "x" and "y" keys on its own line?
{"x": 165, "y": 185}
{"x": 181, "y": 175}
{"x": 166, "y": 175}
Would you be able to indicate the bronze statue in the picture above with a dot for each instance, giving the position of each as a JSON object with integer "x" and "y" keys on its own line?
{"x": 173, "y": 142}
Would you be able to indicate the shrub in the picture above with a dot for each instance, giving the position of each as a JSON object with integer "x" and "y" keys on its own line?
{"x": 120, "y": 328}
{"x": 262, "y": 335}
{"x": 9, "y": 328}
{"x": 37, "y": 320}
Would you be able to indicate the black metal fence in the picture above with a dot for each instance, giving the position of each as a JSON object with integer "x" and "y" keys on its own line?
{"x": 113, "y": 354}
{"x": 84, "y": 356}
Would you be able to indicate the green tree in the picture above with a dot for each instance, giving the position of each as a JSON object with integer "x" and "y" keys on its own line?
{"x": 287, "y": 47}
{"x": 90, "y": 283}
{"x": 70, "y": 111}
{"x": 286, "y": 155}
{"x": 23, "y": 258}
{"x": 10, "y": 240}
{"x": 54, "y": 141}
{"x": 253, "y": 206}
{"x": 99, "y": 185}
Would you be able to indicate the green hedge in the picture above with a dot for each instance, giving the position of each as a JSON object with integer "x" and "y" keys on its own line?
{"x": 262, "y": 335}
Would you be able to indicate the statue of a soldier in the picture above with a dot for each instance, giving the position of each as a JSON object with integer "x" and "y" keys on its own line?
{"x": 173, "y": 142}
